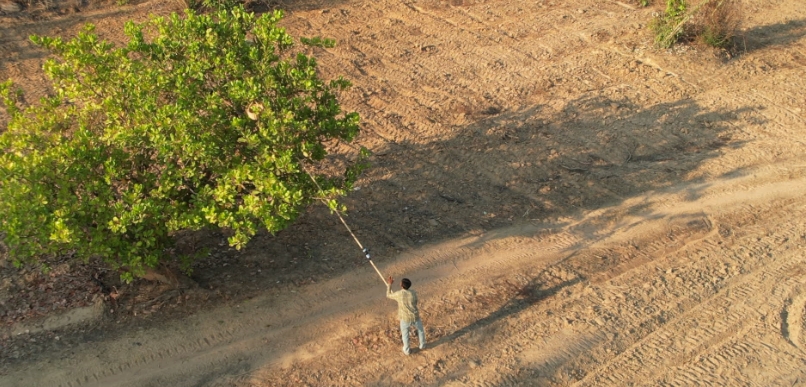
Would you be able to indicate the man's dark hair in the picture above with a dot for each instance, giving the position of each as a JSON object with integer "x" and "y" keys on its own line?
{"x": 405, "y": 283}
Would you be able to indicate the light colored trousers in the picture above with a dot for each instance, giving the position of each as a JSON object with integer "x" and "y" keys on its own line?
{"x": 404, "y": 331}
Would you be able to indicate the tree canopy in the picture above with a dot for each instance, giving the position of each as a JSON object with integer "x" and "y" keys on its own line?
{"x": 201, "y": 120}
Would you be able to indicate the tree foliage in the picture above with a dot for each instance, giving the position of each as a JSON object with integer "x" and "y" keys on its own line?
{"x": 198, "y": 121}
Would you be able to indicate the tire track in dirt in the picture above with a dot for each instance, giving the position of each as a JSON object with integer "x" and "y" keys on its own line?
{"x": 740, "y": 300}
{"x": 772, "y": 117}
{"x": 421, "y": 62}
{"x": 469, "y": 73}
{"x": 592, "y": 337}
{"x": 701, "y": 328}
{"x": 560, "y": 349}
{"x": 792, "y": 317}
{"x": 575, "y": 349}
{"x": 744, "y": 345}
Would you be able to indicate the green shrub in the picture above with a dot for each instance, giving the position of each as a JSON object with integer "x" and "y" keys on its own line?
{"x": 668, "y": 27}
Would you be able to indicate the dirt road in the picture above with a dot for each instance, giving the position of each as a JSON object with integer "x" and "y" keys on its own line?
{"x": 574, "y": 207}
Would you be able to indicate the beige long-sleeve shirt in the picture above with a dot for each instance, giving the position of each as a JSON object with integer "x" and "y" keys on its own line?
{"x": 406, "y": 303}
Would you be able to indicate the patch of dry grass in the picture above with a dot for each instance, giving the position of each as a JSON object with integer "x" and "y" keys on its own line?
{"x": 714, "y": 22}
{"x": 717, "y": 23}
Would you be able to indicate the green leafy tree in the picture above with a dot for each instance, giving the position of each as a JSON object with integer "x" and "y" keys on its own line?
{"x": 198, "y": 121}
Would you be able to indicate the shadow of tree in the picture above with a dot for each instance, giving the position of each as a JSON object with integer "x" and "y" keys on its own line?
{"x": 531, "y": 165}
{"x": 778, "y": 34}
{"x": 294, "y": 5}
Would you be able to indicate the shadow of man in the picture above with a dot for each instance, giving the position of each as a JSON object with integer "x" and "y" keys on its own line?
{"x": 523, "y": 298}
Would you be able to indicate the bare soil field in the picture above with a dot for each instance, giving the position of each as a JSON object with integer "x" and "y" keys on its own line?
{"x": 574, "y": 207}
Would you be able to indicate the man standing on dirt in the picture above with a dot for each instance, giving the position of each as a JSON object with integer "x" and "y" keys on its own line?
{"x": 407, "y": 312}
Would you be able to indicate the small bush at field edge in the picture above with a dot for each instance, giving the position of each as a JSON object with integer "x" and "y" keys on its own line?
{"x": 714, "y": 22}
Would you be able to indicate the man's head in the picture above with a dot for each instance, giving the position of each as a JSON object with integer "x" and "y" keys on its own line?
{"x": 405, "y": 283}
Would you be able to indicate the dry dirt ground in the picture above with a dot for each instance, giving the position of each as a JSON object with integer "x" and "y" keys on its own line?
{"x": 574, "y": 207}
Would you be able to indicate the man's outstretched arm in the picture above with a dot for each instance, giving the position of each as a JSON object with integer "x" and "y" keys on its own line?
{"x": 389, "y": 293}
